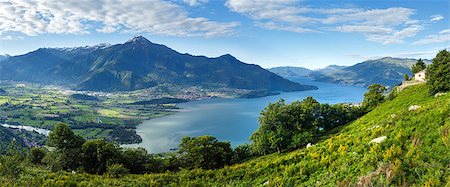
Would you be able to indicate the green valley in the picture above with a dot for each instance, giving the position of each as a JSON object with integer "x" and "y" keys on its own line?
{"x": 112, "y": 116}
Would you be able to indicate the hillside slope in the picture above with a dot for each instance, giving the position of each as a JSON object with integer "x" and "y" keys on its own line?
{"x": 22, "y": 138}
{"x": 416, "y": 151}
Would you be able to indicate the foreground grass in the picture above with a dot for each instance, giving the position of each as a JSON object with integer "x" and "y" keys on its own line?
{"x": 416, "y": 152}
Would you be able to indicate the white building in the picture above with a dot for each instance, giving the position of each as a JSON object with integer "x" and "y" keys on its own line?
{"x": 420, "y": 76}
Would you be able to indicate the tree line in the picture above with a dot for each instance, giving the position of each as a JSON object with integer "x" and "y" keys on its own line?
{"x": 70, "y": 152}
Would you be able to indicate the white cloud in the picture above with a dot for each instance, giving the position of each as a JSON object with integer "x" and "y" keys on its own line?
{"x": 442, "y": 36}
{"x": 276, "y": 26}
{"x": 415, "y": 54}
{"x": 364, "y": 29}
{"x": 436, "y": 18}
{"x": 386, "y": 26}
{"x": 84, "y": 16}
{"x": 275, "y": 10}
{"x": 447, "y": 31}
{"x": 195, "y": 2}
{"x": 395, "y": 37}
{"x": 6, "y": 38}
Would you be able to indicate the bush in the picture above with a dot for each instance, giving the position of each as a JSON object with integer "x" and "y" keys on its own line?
{"x": 373, "y": 97}
{"x": 53, "y": 161}
{"x": 97, "y": 154}
{"x": 10, "y": 167}
{"x": 36, "y": 155}
{"x": 117, "y": 170}
{"x": 11, "y": 164}
{"x": 135, "y": 160}
{"x": 204, "y": 152}
{"x": 242, "y": 153}
{"x": 393, "y": 93}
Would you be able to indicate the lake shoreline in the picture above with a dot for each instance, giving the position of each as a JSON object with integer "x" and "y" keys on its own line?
{"x": 229, "y": 119}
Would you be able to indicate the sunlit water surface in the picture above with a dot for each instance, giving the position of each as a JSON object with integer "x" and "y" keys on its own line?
{"x": 231, "y": 120}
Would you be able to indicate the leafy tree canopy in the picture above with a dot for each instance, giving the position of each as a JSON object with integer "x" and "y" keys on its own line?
{"x": 205, "y": 152}
{"x": 62, "y": 137}
{"x": 374, "y": 96}
{"x": 438, "y": 73}
{"x": 287, "y": 126}
{"x": 419, "y": 66}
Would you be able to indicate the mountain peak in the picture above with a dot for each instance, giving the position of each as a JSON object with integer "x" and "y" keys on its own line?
{"x": 138, "y": 38}
{"x": 228, "y": 56}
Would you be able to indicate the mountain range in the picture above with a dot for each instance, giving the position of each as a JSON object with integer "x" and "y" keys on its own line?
{"x": 387, "y": 71}
{"x": 290, "y": 71}
{"x": 137, "y": 64}
{"x": 4, "y": 57}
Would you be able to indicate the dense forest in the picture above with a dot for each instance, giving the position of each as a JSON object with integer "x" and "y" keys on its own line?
{"x": 399, "y": 139}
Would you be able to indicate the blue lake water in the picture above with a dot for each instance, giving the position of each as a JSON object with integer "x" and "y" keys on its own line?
{"x": 231, "y": 120}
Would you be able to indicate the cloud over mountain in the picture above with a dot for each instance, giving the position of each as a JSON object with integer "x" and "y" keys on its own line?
{"x": 83, "y": 16}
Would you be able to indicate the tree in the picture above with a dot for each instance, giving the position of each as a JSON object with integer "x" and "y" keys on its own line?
{"x": 406, "y": 77}
{"x": 68, "y": 147}
{"x": 272, "y": 134}
{"x": 62, "y": 137}
{"x": 241, "y": 153}
{"x": 373, "y": 97}
{"x": 11, "y": 163}
{"x": 438, "y": 73}
{"x": 205, "y": 152}
{"x": 289, "y": 126}
{"x": 285, "y": 126}
{"x": 36, "y": 155}
{"x": 135, "y": 159}
{"x": 419, "y": 66}
{"x": 97, "y": 155}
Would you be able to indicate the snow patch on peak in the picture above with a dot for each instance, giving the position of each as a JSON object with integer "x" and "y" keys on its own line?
{"x": 138, "y": 38}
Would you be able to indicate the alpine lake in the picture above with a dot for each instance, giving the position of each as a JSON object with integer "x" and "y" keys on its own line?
{"x": 232, "y": 120}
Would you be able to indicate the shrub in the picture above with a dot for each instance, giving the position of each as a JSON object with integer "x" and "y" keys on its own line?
{"x": 36, "y": 155}
{"x": 205, "y": 152}
{"x": 117, "y": 170}
{"x": 241, "y": 153}
{"x": 374, "y": 96}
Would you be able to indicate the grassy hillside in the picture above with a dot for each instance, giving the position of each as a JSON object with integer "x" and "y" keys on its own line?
{"x": 416, "y": 152}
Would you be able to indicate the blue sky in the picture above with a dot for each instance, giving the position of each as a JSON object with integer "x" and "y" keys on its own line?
{"x": 307, "y": 33}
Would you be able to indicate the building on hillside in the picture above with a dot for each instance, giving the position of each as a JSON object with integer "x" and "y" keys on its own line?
{"x": 420, "y": 76}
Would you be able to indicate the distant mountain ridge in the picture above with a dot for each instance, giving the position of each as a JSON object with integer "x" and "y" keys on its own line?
{"x": 137, "y": 64}
{"x": 4, "y": 57}
{"x": 290, "y": 71}
{"x": 387, "y": 71}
